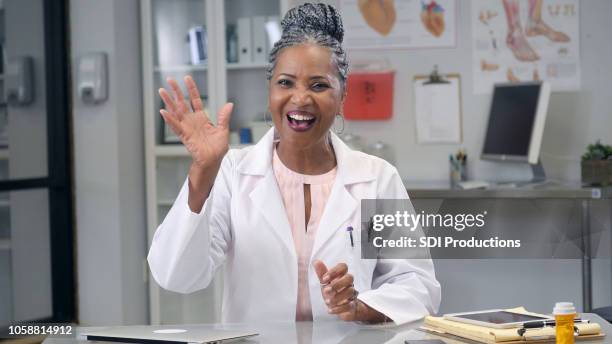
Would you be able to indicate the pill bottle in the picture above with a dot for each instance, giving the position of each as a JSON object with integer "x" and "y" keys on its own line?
{"x": 564, "y": 313}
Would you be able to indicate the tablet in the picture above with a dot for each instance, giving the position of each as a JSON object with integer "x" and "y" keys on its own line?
{"x": 495, "y": 318}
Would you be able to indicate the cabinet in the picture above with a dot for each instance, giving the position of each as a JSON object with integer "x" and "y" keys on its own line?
{"x": 165, "y": 25}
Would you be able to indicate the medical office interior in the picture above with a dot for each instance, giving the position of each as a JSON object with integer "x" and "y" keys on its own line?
{"x": 122, "y": 168}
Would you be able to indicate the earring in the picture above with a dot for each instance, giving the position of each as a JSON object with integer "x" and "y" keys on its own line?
{"x": 269, "y": 123}
{"x": 338, "y": 132}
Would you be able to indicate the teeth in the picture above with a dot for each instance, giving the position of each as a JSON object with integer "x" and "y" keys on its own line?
{"x": 298, "y": 117}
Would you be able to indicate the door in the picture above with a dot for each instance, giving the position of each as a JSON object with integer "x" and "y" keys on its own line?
{"x": 36, "y": 253}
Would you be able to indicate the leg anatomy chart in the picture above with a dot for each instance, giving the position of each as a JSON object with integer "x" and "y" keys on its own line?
{"x": 525, "y": 40}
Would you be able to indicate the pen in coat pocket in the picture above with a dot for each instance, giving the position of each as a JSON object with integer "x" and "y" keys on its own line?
{"x": 349, "y": 229}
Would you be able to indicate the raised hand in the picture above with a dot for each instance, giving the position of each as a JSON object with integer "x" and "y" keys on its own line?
{"x": 206, "y": 142}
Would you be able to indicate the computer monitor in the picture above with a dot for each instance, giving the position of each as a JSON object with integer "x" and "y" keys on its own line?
{"x": 516, "y": 123}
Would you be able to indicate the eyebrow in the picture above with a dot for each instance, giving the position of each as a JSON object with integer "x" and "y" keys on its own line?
{"x": 311, "y": 78}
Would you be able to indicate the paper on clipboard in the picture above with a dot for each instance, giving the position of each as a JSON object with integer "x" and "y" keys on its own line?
{"x": 438, "y": 110}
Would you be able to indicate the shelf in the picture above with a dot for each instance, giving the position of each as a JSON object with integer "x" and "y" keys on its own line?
{"x": 181, "y": 151}
{"x": 165, "y": 202}
{"x": 5, "y": 244}
{"x": 171, "y": 151}
{"x": 4, "y": 153}
{"x": 257, "y": 65}
{"x": 180, "y": 68}
{"x": 203, "y": 68}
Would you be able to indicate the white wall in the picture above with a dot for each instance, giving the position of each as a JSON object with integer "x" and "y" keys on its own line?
{"x": 574, "y": 120}
{"x": 109, "y": 168}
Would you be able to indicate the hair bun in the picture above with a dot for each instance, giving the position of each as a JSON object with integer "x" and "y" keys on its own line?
{"x": 314, "y": 17}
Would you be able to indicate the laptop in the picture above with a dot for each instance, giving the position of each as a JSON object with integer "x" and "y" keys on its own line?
{"x": 165, "y": 334}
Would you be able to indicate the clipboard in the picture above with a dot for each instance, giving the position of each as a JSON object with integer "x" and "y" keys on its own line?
{"x": 444, "y": 334}
{"x": 438, "y": 108}
{"x": 482, "y": 334}
{"x": 436, "y": 78}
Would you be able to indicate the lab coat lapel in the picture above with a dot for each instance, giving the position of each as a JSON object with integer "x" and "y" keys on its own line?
{"x": 341, "y": 205}
{"x": 265, "y": 196}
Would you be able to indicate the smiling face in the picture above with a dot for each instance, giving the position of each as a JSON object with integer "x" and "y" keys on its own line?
{"x": 305, "y": 94}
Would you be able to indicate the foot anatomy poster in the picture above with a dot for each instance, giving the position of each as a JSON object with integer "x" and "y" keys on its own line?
{"x": 375, "y": 24}
{"x": 525, "y": 40}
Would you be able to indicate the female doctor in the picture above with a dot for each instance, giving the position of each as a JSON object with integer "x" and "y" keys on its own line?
{"x": 277, "y": 213}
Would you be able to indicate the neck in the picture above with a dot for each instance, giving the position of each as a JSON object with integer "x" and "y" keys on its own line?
{"x": 315, "y": 159}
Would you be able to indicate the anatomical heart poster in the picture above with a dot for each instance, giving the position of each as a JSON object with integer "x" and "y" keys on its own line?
{"x": 525, "y": 40}
{"x": 376, "y": 24}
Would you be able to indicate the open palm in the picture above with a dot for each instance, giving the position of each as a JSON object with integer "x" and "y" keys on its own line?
{"x": 206, "y": 142}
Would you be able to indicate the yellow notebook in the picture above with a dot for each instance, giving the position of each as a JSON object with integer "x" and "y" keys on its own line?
{"x": 507, "y": 336}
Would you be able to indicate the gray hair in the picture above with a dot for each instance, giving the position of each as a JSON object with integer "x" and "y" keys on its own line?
{"x": 318, "y": 24}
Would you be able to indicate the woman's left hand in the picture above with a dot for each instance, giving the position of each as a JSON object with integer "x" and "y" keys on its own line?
{"x": 340, "y": 295}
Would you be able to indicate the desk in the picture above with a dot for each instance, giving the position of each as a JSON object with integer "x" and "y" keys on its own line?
{"x": 332, "y": 332}
{"x": 432, "y": 190}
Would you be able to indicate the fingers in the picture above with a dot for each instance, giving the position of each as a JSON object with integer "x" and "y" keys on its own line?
{"x": 340, "y": 291}
{"x": 343, "y": 297}
{"x": 174, "y": 104}
{"x": 181, "y": 107}
{"x": 194, "y": 94}
{"x": 341, "y": 283}
{"x": 171, "y": 121}
{"x": 223, "y": 118}
{"x": 335, "y": 272}
{"x": 320, "y": 269}
{"x": 168, "y": 101}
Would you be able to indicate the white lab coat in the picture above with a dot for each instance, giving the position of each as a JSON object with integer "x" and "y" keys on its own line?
{"x": 244, "y": 225}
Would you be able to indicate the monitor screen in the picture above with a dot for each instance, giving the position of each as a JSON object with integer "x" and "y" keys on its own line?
{"x": 512, "y": 119}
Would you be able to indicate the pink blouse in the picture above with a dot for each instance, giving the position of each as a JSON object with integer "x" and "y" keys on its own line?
{"x": 291, "y": 185}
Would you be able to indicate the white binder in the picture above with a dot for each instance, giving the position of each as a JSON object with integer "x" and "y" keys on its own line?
{"x": 245, "y": 41}
{"x": 259, "y": 39}
{"x": 273, "y": 32}
{"x": 198, "y": 45}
